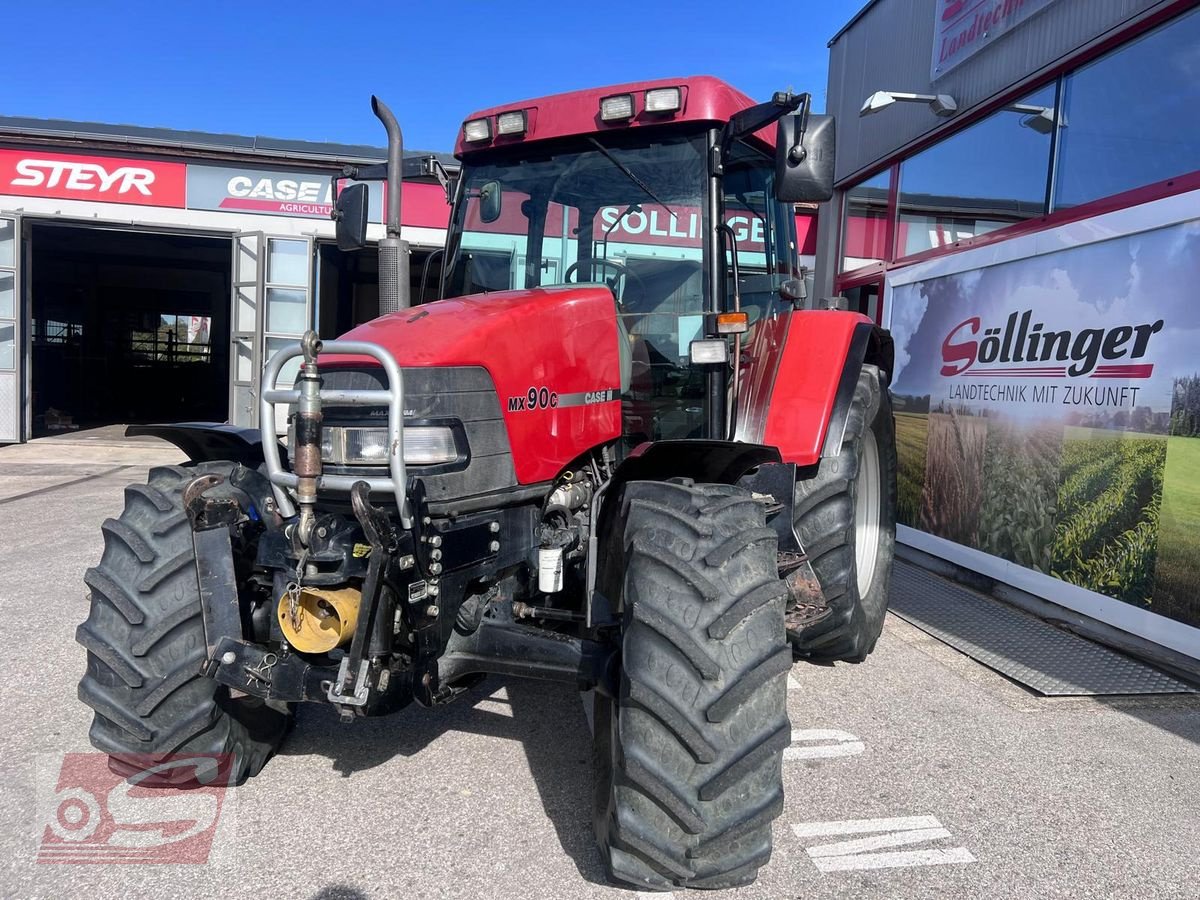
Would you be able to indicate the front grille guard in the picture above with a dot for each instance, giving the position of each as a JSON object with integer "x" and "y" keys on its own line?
{"x": 283, "y": 481}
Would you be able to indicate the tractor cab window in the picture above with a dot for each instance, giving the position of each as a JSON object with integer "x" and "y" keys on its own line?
{"x": 623, "y": 210}
{"x": 763, "y": 233}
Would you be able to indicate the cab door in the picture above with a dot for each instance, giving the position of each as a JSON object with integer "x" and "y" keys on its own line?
{"x": 11, "y": 387}
{"x": 272, "y": 306}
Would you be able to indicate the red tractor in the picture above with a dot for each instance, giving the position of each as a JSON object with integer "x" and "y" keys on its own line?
{"x": 621, "y": 452}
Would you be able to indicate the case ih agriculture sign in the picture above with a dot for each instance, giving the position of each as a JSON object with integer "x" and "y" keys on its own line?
{"x": 964, "y": 27}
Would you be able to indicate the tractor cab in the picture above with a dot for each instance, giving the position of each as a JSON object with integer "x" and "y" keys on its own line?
{"x": 629, "y": 209}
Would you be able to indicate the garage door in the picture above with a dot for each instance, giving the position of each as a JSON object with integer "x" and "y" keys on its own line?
{"x": 10, "y": 335}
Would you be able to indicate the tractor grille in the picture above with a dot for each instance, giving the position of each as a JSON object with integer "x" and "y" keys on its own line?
{"x": 432, "y": 396}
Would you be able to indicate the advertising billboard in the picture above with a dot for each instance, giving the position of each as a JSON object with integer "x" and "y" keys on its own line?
{"x": 108, "y": 179}
{"x": 962, "y": 28}
{"x": 1048, "y": 414}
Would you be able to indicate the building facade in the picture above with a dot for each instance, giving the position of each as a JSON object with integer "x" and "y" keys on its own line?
{"x": 1019, "y": 201}
{"x": 146, "y": 275}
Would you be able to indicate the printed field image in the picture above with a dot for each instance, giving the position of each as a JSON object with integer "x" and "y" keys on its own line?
{"x": 1109, "y": 496}
{"x": 954, "y": 455}
{"x": 1020, "y": 492}
{"x": 912, "y": 433}
{"x": 1177, "y": 575}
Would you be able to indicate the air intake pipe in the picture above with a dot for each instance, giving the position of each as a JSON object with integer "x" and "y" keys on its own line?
{"x": 394, "y": 286}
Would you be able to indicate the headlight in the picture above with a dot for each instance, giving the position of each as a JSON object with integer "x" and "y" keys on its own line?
{"x": 424, "y": 445}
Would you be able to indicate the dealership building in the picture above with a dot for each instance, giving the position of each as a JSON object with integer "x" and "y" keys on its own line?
{"x": 1019, "y": 201}
{"x": 146, "y": 274}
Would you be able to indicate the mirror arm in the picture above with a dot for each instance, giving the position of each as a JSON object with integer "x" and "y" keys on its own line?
{"x": 756, "y": 118}
{"x": 797, "y": 153}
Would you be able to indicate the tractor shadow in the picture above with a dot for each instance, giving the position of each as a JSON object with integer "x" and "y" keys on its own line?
{"x": 546, "y": 719}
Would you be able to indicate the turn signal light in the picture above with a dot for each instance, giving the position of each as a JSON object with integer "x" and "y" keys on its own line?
{"x": 732, "y": 323}
{"x": 477, "y": 130}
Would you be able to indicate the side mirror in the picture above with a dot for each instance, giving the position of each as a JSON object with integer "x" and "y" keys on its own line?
{"x": 489, "y": 202}
{"x": 804, "y": 159}
{"x": 350, "y": 216}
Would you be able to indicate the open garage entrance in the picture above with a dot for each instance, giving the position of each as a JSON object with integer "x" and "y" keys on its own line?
{"x": 126, "y": 326}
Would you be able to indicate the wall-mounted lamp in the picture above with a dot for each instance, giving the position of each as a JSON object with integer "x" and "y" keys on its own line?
{"x": 940, "y": 104}
{"x": 1040, "y": 118}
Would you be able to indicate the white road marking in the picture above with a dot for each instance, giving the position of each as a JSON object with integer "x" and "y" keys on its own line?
{"x": 793, "y": 684}
{"x": 841, "y": 856}
{"x": 822, "y": 743}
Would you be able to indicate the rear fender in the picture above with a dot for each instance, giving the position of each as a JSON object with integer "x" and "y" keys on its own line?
{"x": 208, "y": 441}
{"x": 799, "y": 377}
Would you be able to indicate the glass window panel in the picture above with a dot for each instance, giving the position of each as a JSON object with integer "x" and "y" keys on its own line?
{"x": 864, "y": 225}
{"x": 8, "y": 345}
{"x": 1130, "y": 117}
{"x": 8, "y": 295}
{"x": 985, "y": 177}
{"x": 287, "y": 375}
{"x": 286, "y": 310}
{"x": 247, "y": 302}
{"x": 287, "y": 262}
{"x": 8, "y": 242}
{"x": 243, "y": 365}
{"x": 247, "y": 259}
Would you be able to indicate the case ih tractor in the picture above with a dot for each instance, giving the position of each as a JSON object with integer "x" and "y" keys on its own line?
{"x": 618, "y": 452}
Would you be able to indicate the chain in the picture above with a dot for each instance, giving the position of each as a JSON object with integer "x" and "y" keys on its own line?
{"x": 295, "y": 613}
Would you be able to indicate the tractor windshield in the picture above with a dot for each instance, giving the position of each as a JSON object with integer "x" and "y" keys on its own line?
{"x": 627, "y": 211}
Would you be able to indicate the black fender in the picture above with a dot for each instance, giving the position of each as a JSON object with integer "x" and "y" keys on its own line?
{"x": 208, "y": 441}
{"x": 705, "y": 461}
{"x": 870, "y": 345}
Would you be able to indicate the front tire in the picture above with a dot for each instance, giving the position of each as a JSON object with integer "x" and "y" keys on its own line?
{"x": 145, "y": 644}
{"x": 688, "y": 758}
{"x": 846, "y": 522}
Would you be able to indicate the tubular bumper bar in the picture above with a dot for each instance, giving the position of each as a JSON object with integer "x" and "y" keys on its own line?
{"x": 393, "y": 398}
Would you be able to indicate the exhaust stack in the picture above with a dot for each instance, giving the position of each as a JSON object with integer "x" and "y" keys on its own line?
{"x": 394, "y": 285}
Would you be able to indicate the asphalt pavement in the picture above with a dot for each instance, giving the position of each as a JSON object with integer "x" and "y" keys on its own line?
{"x": 916, "y": 774}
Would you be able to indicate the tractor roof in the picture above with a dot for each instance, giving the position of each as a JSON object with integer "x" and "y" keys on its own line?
{"x": 703, "y": 99}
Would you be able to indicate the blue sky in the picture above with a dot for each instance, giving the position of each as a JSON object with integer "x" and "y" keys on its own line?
{"x": 296, "y": 70}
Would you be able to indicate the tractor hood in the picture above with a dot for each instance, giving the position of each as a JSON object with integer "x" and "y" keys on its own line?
{"x": 553, "y": 355}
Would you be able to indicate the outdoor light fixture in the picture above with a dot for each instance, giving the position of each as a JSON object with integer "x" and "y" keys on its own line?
{"x": 616, "y": 107}
{"x": 1040, "y": 118}
{"x": 663, "y": 100}
{"x": 512, "y": 122}
{"x": 477, "y": 130}
{"x": 941, "y": 104}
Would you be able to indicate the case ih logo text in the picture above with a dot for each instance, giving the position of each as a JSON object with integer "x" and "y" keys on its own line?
{"x": 279, "y": 195}
{"x": 110, "y": 180}
{"x": 1026, "y": 349}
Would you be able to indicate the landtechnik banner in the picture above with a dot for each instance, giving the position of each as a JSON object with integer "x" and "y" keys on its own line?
{"x": 1048, "y": 413}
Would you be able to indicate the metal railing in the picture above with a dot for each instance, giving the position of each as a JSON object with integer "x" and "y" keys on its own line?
{"x": 282, "y": 481}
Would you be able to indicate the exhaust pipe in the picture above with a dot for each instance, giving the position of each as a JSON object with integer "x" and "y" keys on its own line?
{"x": 394, "y": 287}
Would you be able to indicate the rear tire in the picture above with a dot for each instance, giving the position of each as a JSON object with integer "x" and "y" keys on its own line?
{"x": 846, "y": 522}
{"x": 688, "y": 759}
{"x": 145, "y": 644}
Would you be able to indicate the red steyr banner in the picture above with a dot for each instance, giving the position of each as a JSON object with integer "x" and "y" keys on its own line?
{"x": 107, "y": 179}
